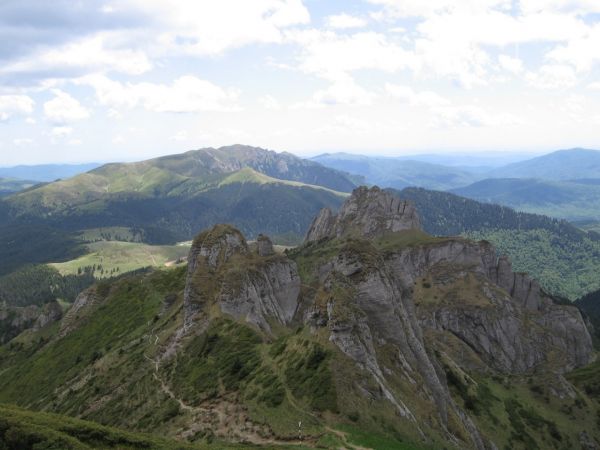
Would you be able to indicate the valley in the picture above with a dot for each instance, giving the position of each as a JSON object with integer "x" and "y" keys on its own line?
{"x": 243, "y": 343}
{"x": 234, "y": 338}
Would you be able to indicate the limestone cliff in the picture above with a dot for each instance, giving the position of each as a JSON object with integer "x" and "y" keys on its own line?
{"x": 258, "y": 287}
{"x": 405, "y": 308}
{"x": 366, "y": 213}
{"x": 421, "y": 293}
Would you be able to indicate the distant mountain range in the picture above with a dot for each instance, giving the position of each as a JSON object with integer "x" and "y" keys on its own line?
{"x": 570, "y": 164}
{"x": 169, "y": 199}
{"x": 46, "y": 172}
{"x": 563, "y": 184}
{"x": 398, "y": 173}
{"x": 576, "y": 200}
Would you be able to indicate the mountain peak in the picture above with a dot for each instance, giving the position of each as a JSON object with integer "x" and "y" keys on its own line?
{"x": 367, "y": 212}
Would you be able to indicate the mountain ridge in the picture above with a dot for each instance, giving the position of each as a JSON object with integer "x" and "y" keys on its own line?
{"x": 402, "y": 335}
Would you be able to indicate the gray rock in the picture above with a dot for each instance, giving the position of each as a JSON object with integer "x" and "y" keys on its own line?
{"x": 264, "y": 245}
{"x": 366, "y": 213}
{"x": 257, "y": 289}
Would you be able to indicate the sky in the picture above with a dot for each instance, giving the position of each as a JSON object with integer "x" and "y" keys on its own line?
{"x": 108, "y": 80}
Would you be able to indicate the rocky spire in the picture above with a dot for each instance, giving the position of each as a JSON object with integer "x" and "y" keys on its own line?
{"x": 367, "y": 212}
{"x": 264, "y": 245}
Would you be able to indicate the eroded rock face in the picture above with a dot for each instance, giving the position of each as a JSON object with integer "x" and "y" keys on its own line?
{"x": 415, "y": 299}
{"x": 366, "y": 213}
{"x": 264, "y": 245}
{"x": 256, "y": 287}
{"x": 15, "y": 320}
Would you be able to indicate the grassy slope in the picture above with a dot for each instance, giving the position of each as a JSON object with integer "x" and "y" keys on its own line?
{"x": 27, "y": 430}
{"x": 101, "y": 371}
{"x": 104, "y": 371}
{"x": 119, "y": 257}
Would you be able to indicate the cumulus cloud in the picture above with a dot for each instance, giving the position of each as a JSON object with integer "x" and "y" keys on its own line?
{"x": 470, "y": 116}
{"x": 270, "y": 102}
{"x": 64, "y": 108}
{"x": 553, "y": 76}
{"x": 343, "y": 91}
{"x": 187, "y": 94}
{"x": 427, "y": 99}
{"x": 345, "y": 21}
{"x": 213, "y": 26}
{"x": 61, "y": 131}
{"x": 333, "y": 56}
{"x": 11, "y": 105}
{"x": 512, "y": 65}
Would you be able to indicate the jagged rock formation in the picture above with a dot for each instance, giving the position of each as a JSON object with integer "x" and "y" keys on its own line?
{"x": 264, "y": 245}
{"x": 366, "y": 213}
{"x": 256, "y": 287}
{"x": 382, "y": 286}
{"x": 15, "y": 320}
{"x": 419, "y": 297}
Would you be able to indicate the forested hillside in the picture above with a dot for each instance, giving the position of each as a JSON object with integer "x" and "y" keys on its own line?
{"x": 564, "y": 258}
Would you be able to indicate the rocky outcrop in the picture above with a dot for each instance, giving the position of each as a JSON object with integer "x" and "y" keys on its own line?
{"x": 366, "y": 213}
{"x": 256, "y": 287}
{"x": 416, "y": 298}
{"x": 15, "y": 320}
{"x": 82, "y": 305}
{"x": 264, "y": 245}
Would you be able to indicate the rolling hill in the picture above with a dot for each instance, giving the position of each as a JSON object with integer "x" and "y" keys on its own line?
{"x": 576, "y": 200}
{"x": 565, "y": 259}
{"x": 165, "y": 200}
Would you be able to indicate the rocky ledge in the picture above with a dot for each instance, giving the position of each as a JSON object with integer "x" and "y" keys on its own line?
{"x": 256, "y": 286}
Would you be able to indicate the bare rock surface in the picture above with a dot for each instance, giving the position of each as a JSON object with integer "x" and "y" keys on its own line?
{"x": 255, "y": 287}
{"x": 367, "y": 213}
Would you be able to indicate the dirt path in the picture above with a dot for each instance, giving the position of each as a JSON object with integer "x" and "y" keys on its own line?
{"x": 224, "y": 418}
{"x": 344, "y": 437}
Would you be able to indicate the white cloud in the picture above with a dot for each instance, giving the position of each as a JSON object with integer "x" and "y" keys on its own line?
{"x": 582, "y": 52}
{"x": 510, "y": 64}
{"x": 595, "y": 85}
{"x": 210, "y": 27}
{"x": 181, "y": 135}
{"x": 471, "y": 116}
{"x": 345, "y": 21}
{"x": 564, "y": 6}
{"x": 89, "y": 54}
{"x": 333, "y": 56}
{"x": 186, "y": 94}
{"x": 270, "y": 102}
{"x": 11, "y": 105}
{"x": 343, "y": 91}
{"x": 21, "y": 142}
{"x": 61, "y": 131}
{"x": 553, "y": 76}
{"x": 427, "y": 99}
{"x": 421, "y": 8}
{"x": 64, "y": 109}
